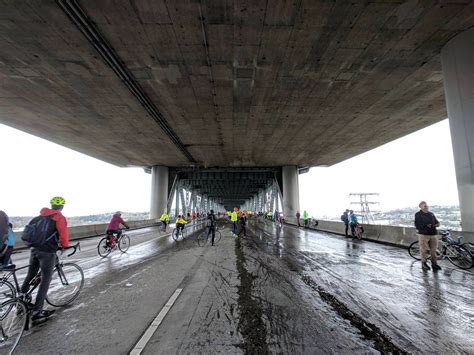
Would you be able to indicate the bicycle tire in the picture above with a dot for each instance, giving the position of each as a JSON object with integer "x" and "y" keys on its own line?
{"x": 469, "y": 246}
{"x": 218, "y": 237}
{"x": 414, "y": 250}
{"x": 102, "y": 249}
{"x": 7, "y": 291}
{"x": 459, "y": 256}
{"x": 66, "y": 284}
{"x": 202, "y": 238}
{"x": 175, "y": 234}
{"x": 124, "y": 243}
{"x": 12, "y": 324}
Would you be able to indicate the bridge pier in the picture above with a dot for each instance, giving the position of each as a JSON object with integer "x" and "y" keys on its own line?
{"x": 291, "y": 198}
{"x": 457, "y": 58}
{"x": 159, "y": 191}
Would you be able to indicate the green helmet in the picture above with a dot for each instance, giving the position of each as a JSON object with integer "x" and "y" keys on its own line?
{"x": 58, "y": 201}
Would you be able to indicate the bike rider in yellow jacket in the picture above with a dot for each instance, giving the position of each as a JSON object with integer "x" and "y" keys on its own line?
{"x": 165, "y": 219}
{"x": 180, "y": 222}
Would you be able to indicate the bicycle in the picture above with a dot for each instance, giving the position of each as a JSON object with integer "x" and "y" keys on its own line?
{"x": 358, "y": 231}
{"x": 206, "y": 237}
{"x": 448, "y": 248}
{"x": 164, "y": 226}
{"x": 177, "y": 232}
{"x": 66, "y": 284}
{"x": 109, "y": 243}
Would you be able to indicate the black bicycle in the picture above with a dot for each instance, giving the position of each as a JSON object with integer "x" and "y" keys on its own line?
{"x": 448, "y": 248}
{"x": 65, "y": 286}
{"x": 109, "y": 243}
{"x": 205, "y": 237}
{"x": 178, "y": 232}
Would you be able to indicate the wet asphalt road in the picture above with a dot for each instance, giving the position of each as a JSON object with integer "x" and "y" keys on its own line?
{"x": 278, "y": 291}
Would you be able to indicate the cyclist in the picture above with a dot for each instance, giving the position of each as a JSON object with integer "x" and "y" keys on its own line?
{"x": 211, "y": 222}
{"x": 114, "y": 227}
{"x": 353, "y": 222}
{"x": 180, "y": 223}
{"x": 164, "y": 219}
{"x": 44, "y": 257}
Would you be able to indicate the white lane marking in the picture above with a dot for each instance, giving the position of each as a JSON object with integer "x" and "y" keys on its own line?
{"x": 137, "y": 350}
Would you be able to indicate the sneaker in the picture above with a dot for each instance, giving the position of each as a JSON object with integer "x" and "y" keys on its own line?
{"x": 425, "y": 267}
{"x": 42, "y": 315}
{"x": 435, "y": 267}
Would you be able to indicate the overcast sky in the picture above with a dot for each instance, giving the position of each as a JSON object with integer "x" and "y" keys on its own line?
{"x": 34, "y": 170}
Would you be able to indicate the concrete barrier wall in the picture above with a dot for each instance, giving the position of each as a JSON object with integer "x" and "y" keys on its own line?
{"x": 394, "y": 235}
{"x": 91, "y": 230}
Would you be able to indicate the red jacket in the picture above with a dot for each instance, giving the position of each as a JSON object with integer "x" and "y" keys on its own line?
{"x": 61, "y": 225}
{"x": 115, "y": 223}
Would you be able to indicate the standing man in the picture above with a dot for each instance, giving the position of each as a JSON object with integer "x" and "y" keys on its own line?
{"x": 211, "y": 218}
{"x": 353, "y": 222}
{"x": 305, "y": 218}
{"x": 426, "y": 223}
{"x": 233, "y": 219}
{"x": 44, "y": 257}
{"x": 298, "y": 215}
{"x": 345, "y": 219}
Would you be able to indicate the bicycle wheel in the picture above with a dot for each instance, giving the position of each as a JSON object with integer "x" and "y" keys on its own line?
{"x": 414, "y": 250}
{"x": 67, "y": 282}
{"x": 175, "y": 234}
{"x": 103, "y": 249}
{"x": 124, "y": 243}
{"x": 469, "y": 246}
{"x": 12, "y": 324}
{"x": 459, "y": 256}
{"x": 7, "y": 291}
{"x": 218, "y": 237}
{"x": 202, "y": 238}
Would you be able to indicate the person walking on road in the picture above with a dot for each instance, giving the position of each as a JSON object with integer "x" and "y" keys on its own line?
{"x": 243, "y": 224}
{"x": 305, "y": 218}
{"x": 211, "y": 223}
{"x": 44, "y": 257}
{"x": 233, "y": 219}
{"x": 426, "y": 224}
{"x": 298, "y": 215}
{"x": 345, "y": 219}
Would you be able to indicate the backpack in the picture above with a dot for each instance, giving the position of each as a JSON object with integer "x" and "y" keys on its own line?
{"x": 39, "y": 232}
{"x": 343, "y": 218}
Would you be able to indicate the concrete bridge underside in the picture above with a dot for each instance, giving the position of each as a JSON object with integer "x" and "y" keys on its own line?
{"x": 237, "y": 84}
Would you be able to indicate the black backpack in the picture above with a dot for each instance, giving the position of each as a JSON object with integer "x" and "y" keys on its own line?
{"x": 39, "y": 232}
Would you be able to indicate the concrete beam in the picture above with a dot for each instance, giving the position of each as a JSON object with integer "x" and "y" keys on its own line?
{"x": 159, "y": 191}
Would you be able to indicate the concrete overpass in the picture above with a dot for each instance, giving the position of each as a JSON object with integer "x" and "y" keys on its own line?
{"x": 231, "y": 99}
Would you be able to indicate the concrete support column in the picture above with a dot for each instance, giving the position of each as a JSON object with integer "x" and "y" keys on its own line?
{"x": 159, "y": 191}
{"x": 457, "y": 58}
{"x": 291, "y": 190}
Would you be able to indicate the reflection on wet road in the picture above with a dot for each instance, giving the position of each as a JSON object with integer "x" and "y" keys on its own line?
{"x": 421, "y": 312}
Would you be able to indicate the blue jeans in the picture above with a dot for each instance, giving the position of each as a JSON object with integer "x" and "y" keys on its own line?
{"x": 234, "y": 227}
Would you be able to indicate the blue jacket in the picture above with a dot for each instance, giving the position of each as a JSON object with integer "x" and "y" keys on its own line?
{"x": 354, "y": 219}
{"x": 11, "y": 238}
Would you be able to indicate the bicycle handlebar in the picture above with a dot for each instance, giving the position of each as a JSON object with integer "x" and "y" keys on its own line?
{"x": 75, "y": 247}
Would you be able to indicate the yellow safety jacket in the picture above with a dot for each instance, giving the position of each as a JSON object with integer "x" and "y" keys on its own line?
{"x": 233, "y": 216}
{"x": 164, "y": 217}
{"x": 181, "y": 221}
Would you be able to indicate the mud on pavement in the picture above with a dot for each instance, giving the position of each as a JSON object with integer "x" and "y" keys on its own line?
{"x": 283, "y": 311}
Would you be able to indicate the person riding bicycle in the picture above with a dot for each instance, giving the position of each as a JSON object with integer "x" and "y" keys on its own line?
{"x": 211, "y": 223}
{"x": 44, "y": 256}
{"x": 164, "y": 219}
{"x": 180, "y": 223}
{"x": 114, "y": 227}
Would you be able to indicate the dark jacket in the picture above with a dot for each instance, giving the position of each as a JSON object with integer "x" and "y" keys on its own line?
{"x": 3, "y": 225}
{"x": 422, "y": 220}
{"x": 211, "y": 220}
